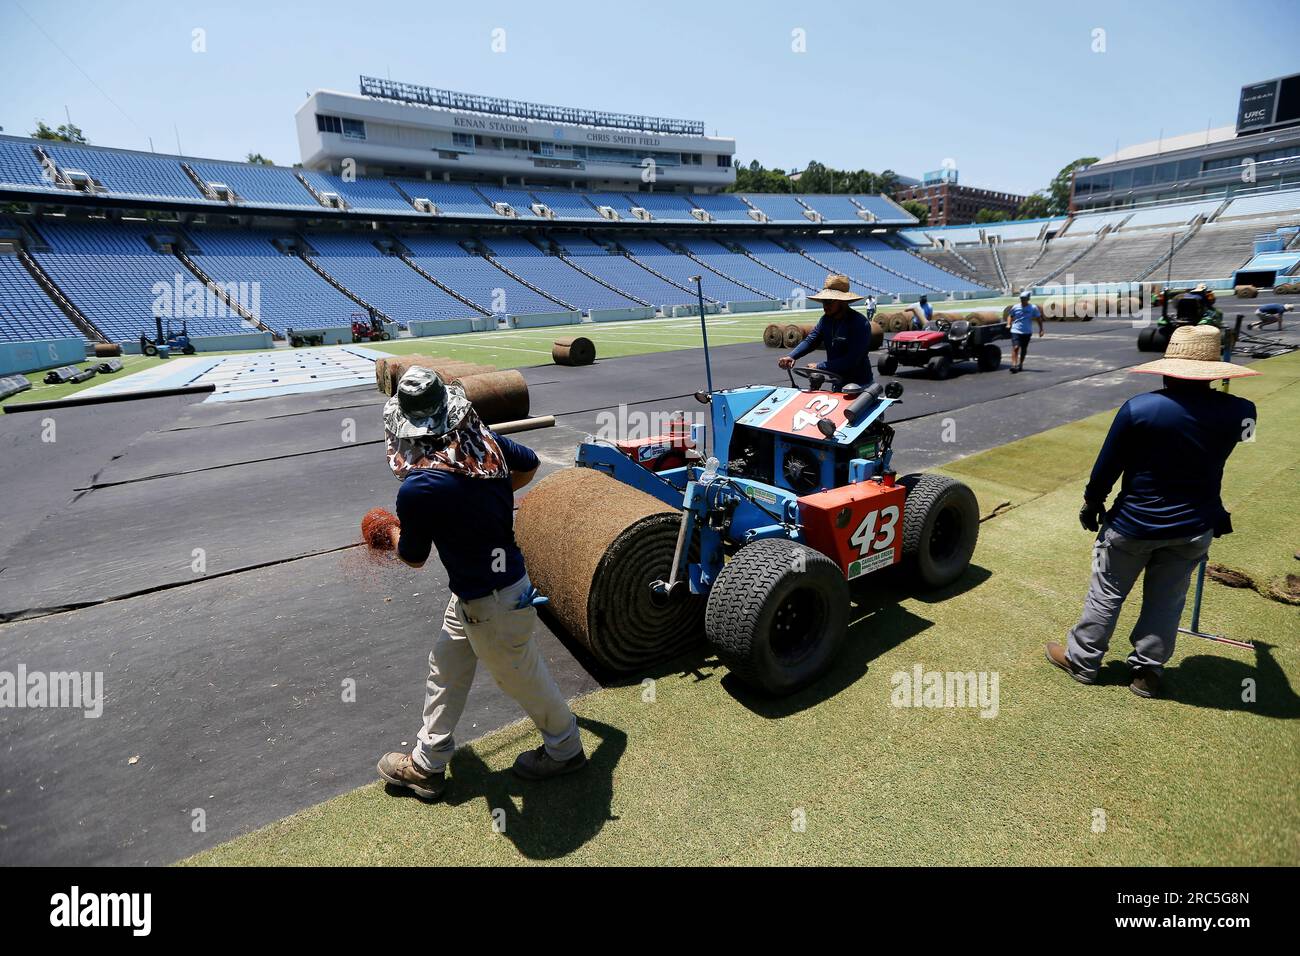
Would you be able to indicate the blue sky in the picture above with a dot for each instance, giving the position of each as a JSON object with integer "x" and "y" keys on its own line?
{"x": 1009, "y": 91}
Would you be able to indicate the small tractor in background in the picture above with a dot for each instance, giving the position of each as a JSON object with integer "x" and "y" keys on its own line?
{"x": 368, "y": 328}
{"x": 941, "y": 344}
{"x": 1191, "y": 307}
{"x": 173, "y": 341}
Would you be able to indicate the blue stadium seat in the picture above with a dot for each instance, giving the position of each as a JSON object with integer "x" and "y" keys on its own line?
{"x": 26, "y": 312}
{"x": 271, "y": 186}
{"x": 681, "y": 268}
{"x": 479, "y": 280}
{"x": 363, "y": 194}
{"x": 130, "y": 174}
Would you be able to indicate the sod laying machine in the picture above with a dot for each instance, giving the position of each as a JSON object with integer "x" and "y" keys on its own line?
{"x": 652, "y": 542}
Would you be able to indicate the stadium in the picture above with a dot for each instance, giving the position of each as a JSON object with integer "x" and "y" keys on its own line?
{"x": 199, "y": 359}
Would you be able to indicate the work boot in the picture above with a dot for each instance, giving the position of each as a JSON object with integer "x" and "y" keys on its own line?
{"x": 401, "y": 771}
{"x": 539, "y": 765}
{"x": 1056, "y": 655}
{"x": 1145, "y": 684}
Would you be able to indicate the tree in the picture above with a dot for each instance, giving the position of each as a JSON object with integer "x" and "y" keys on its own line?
{"x": 918, "y": 209}
{"x": 1035, "y": 206}
{"x": 257, "y": 159}
{"x": 992, "y": 215}
{"x": 65, "y": 133}
{"x": 1060, "y": 188}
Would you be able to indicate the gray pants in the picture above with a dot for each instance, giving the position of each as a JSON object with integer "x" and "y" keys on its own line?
{"x": 495, "y": 630}
{"x": 1116, "y": 563}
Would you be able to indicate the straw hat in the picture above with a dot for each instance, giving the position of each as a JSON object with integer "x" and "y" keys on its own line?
{"x": 1194, "y": 353}
{"x": 835, "y": 289}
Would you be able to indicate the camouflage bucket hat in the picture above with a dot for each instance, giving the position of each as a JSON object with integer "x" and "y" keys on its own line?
{"x": 423, "y": 406}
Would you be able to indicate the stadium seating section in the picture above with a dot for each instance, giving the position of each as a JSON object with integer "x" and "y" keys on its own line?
{"x": 324, "y": 269}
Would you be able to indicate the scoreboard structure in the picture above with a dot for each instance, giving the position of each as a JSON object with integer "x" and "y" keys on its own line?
{"x": 1273, "y": 104}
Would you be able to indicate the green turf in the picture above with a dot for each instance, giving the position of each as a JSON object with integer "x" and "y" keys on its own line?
{"x": 706, "y": 773}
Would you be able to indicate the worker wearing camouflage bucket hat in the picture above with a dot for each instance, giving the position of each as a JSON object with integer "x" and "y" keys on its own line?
{"x": 845, "y": 333}
{"x": 457, "y": 495}
{"x": 1168, "y": 449}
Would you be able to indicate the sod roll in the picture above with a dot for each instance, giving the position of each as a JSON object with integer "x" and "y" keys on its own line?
{"x": 593, "y": 546}
{"x": 877, "y": 334}
{"x": 774, "y": 336}
{"x": 573, "y": 351}
{"x": 497, "y": 396}
{"x": 107, "y": 350}
{"x": 389, "y": 371}
{"x": 792, "y": 336}
{"x": 1246, "y": 291}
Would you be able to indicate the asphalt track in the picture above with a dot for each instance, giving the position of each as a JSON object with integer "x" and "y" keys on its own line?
{"x": 226, "y": 684}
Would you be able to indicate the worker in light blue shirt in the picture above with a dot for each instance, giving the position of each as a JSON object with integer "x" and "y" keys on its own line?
{"x": 1020, "y": 320}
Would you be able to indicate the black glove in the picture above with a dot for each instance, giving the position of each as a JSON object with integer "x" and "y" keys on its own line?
{"x": 1091, "y": 515}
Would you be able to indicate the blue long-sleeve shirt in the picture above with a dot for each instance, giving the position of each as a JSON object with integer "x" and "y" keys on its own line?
{"x": 1170, "y": 447}
{"x": 848, "y": 346}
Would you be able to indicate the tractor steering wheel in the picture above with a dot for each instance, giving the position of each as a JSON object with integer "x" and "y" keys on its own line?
{"x": 807, "y": 373}
{"x": 943, "y": 325}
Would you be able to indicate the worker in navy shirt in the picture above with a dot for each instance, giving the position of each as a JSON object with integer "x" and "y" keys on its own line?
{"x": 1167, "y": 449}
{"x": 845, "y": 333}
{"x": 457, "y": 496}
{"x": 1270, "y": 314}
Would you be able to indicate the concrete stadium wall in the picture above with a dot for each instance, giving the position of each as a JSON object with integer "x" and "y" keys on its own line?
{"x": 16, "y": 357}
{"x": 710, "y": 308}
{"x": 755, "y": 305}
{"x": 333, "y": 334}
{"x": 538, "y": 320}
{"x": 252, "y": 341}
{"x": 422, "y": 327}
{"x": 620, "y": 315}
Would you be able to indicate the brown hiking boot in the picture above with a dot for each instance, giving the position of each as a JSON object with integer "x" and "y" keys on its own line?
{"x": 1056, "y": 655}
{"x": 401, "y": 771}
{"x": 1145, "y": 684}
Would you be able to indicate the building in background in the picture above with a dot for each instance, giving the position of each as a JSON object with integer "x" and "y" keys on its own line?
{"x": 401, "y": 129}
{"x": 952, "y": 204}
{"x": 1261, "y": 152}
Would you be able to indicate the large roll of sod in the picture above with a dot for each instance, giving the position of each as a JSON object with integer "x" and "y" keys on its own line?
{"x": 574, "y": 351}
{"x": 593, "y": 545}
{"x": 389, "y": 371}
{"x": 107, "y": 349}
{"x": 774, "y": 336}
{"x": 497, "y": 396}
{"x": 792, "y": 336}
{"x": 877, "y": 334}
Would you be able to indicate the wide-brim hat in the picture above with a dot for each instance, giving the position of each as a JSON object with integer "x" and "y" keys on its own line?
{"x": 1194, "y": 352}
{"x": 836, "y": 289}
{"x": 424, "y": 406}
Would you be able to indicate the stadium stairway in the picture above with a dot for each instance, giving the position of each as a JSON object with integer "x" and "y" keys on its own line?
{"x": 220, "y": 292}
{"x": 491, "y": 257}
{"x": 407, "y": 258}
{"x": 568, "y": 261}
{"x": 798, "y": 283}
{"x": 683, "y": 250}
{"x": 840, "y": 269}
{"x": 949, "y": 260}
{"x": 302, "y": 251}
{"x": 663, "y": 278}
{"x": 1167, "y": 251}
{"x": 892, "y": 271}
{"x": 1070, "y": 260}
{"x": 66, "y": 305}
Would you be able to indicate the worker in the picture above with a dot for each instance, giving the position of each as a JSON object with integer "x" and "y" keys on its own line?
{"x": 1020, "y": 322}
{"x": 1270, "y": 314}
{"x": 871, "y": 307}
{"x": 922, "y": 313}
{"x": 458, "y": 479}
{"x": 1169, "y": 447}
{"x": 845, "y": 333}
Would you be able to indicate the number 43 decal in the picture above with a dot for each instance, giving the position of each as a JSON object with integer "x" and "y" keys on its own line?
{"x": 865, "y": 537}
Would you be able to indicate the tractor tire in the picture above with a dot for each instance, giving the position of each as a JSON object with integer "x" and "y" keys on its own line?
{"x": 990, "y": 359}
{"x": 777, "y": 615}
{"x": 149, "y": 350}
{"x": 940, "y": 367}
{"x": 887, "y": 364}
{"x": 941, "y": 523}
{"x": 384, "y": 337}
{"x": 1147, "y": 340}
{"x": 188, "y": 350}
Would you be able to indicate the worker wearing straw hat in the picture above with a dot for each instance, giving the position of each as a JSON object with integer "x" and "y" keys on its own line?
{"x": 1169, "y": 447}
{"x": 844, "y": 332}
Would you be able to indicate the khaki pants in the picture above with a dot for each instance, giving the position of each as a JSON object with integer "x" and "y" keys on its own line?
{"x": 495, "y": 630}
